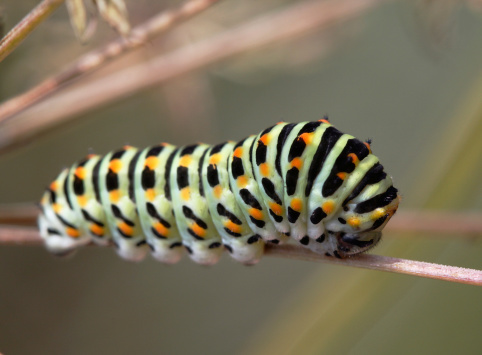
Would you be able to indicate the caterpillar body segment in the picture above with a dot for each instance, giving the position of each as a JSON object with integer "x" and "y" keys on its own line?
{"x": 307, "y": 182}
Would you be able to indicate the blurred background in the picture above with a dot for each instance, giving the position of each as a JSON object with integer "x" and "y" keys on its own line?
{"x": 406, "y": 74}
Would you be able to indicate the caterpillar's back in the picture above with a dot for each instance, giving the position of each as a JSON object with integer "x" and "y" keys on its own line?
{"x": 306, "y": 181}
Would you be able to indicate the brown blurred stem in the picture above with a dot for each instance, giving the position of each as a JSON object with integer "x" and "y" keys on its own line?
{"x": 30, "y": 236}
{"x": 139, "y": 36}
{"x": 17, "y": 34}
{"x": 287, "y": 24}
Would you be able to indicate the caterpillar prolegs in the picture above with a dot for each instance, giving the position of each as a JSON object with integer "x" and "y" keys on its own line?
{"x": 305, "y": 181}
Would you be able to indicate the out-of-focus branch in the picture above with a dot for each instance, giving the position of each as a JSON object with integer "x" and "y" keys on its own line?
{"x": 17, "y": 34}
{"x": 287, "y": 24}
{"x": 429, "y": 222}
{"x": 30, "y": 236}
{"x": 93, "y": 60}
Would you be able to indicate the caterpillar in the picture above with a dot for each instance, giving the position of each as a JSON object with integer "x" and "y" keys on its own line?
{"x": 306, "y": 182}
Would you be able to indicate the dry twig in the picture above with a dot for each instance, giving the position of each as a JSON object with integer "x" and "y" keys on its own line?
{"x": 287, "y": 24}
{"x": 13, "y": 38}
{"x": 30, "y": 236}
{"x": 139, "y": 36}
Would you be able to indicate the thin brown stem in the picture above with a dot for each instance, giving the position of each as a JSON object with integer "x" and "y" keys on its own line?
{"x": 93, "y": 60}
{"x": 288, "y": 24}
{"x": 17, "y": 34}
{"x": 30, "y": 236}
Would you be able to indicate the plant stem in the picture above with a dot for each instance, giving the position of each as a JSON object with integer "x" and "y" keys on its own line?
{"x": 16, "y": 35}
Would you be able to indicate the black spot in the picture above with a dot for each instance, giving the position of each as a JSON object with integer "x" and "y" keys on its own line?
{"x": 214, "y": 245}
{"x": 230, "y": 232}
{"x": 377, "y": 201}
{"x": 347, "y": 238}
{"x": 189, "y": 149}
{"x": 253, "y": 239}
{"x": 64, "y": 222}
{"x": 118, "y": 214}
{"x": 249, "y": 199}
{"x": 341, "y": 220}
{"x": 199, "y": 170}
{"x": 274, "y": 241}
{"x": 78, "y": 185}
{"x": 379, "y": 222}
{"x": 112, "y": 181}
{"x": 151, "y": 209}
{"x": 127, "y": 236}
{"x": 291, "y": 180}
{"x": 225, "y": 213}
{"x": 182, "y": 177}
{"x": 228, "y": 248}
{"x": 212, "y": 175}
{"x": 157, "y": 234}
{"x": 53, "y": 231}
{"x": 305, "y": 240}
{"x": 317, "y": 215}
{"x": 320, "y": 239}
{"x": 188, "y": 213}
{"x": 277, "y": 218}
{"x": 270, "y": 190}
{"x": 258, "y": 223}
{"x": 89, "y": 218}
{"x": 292, "y": 215}
{"x": 118, "y": 154}
{"x": 148, "y": 178}
{"x": 299, "y": 145}
{"x": 237, "y": 167}
{"x": 141, "y": 243}
{"x": 155, "y": 151}
{"x": 189, "y": 250}
{"x": 66, "y": 191}
{"x": 191, "y": 232}
{"x": 175, "y": 245}
{"x": 217, "y": 148}
{"x": 337, "y": 255}
{"x": 327, "y": 254}
{"x": 261, "y": 151}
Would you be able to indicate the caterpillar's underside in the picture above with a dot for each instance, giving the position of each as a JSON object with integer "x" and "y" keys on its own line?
{"x": 306, "y": 181}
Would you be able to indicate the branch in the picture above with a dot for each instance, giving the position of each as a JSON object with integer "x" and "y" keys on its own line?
{"x": 93, "y": 60}
{"x": 30, "y": 236}
{"x": 287, "y": 24}
{"x": 17, "y": 34}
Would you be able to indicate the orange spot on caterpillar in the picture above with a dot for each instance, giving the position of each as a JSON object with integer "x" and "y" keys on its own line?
{"x": 328, "y": 207}
{"x": 324, "y": 121}
{"x": 196, "y": 228}
{"x": 127, "y": 147}
{"x": 186, "y": 193}
{"x": 115, "y": 165}
{"x": 233, "y": 227}
{"x": 354, "y": 158}
{"x": 214, "y": 159}
{"x": 185, "y": 161}
{"x": 90, "y": 156}
{"x": 255, "y": 213}
{"x": 368, "y": 146}
{"x": 297, "y": 163}
{"x": 280, "y": 122}
{"x": 125, "y": 228}
{"x": 264, "y": 168}
{"x": 342, "y": 175}
{"x": 80, "y": 172}
{"x": 296, "y": 204}
{"x": 54, "y": 185}
{"x": 265, "y": 138}
{"x": 238, "y": 152}
{"x": 82, "y": 200}
{"x": 354, "y": 222}
{"x": 277, "y": 209}
{"x": 71, "y": 232}
{"x": 97, "y": 230}
{"x": 150, "y": 195}
{"x": 151, "y": 162}
{"x": 114, "y": 196}
{"x": 218, "y": 190}
{"x": 306, "y": 137}
{"x": 57, "y": 207}
{"x": 242, "y": 181}
{"x": 161, "y": 229}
